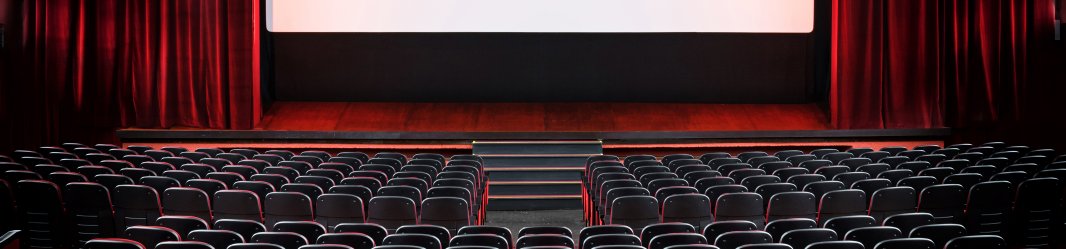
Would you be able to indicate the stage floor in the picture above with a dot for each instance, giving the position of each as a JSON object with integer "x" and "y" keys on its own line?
{"x": 538, "y": 117}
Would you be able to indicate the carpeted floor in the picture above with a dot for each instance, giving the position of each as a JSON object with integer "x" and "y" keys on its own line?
{"x": 516, "y": 220}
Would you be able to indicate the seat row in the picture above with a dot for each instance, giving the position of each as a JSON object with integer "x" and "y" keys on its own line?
{"x": 91, "y": 200}
{"x": 640, "y": 190}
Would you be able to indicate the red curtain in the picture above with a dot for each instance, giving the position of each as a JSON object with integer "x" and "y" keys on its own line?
{"x": 923, "y": 64}
{"x": 92, "y": 66}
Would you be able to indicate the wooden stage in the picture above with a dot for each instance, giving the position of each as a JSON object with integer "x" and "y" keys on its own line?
{"x": 555, "y": 117}
{"x": 624, "y": 128}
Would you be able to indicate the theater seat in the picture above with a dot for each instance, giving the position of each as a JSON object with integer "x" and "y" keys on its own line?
{"x": 136, "y": 205}
{"x": 113, "y": 243}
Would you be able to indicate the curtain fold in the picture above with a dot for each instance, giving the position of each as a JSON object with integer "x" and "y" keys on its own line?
{"x": 105, "y": 64}
{"x": 925, "y": 64}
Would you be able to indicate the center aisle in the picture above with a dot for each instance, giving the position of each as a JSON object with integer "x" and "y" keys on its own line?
{"x": 516, "y": 220}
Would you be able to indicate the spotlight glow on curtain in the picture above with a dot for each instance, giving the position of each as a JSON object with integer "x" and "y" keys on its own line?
{"x": 922, "y": 64}
{"x": 140, "y": 63}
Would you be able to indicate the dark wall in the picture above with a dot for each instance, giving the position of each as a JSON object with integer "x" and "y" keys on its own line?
{"x": 544, "y": 67}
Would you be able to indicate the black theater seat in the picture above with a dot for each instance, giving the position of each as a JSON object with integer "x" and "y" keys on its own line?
{"x": 216, "y": 238}
{"x": 136, "y": 205}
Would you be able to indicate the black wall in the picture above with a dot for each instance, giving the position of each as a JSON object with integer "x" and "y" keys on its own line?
{"x": 544, "y": 67}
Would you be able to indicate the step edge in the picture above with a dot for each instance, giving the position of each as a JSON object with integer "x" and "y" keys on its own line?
{"x": 533, "y": 197}
{"x": 536, "y": 155}
{"x": 512, "y": 169}
{"x": 506, "y": 183}
{"x": 590, "y": 142}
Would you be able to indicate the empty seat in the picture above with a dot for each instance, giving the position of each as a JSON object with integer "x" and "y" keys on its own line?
{"x": 792, "y": 205}
{"x": 891, "y": 201}
{"x": 870, "y": 236}
{"x": 353, "y": 240}
{"x": 704, "y": 183}
{"x": 906, "y": 243}
{"x": 135, "y": 205}
{"x": 598, "y": 240}
{"x": 590, "y": 231}
{"x": 831, "y": 171}
{"x": 977, "y": 242}
{"x": 672, "y": 239}
{"x": 874, "y": 168}
{"x": 732, "y": 240}
{"x": 945, "y": 202}
{"x": 801, "y": 238}
{"x": 375, "y": 231}
{"x": 721, "y": 227}
{"x": 908, "y": 221}
{"x": 820, "y": 188}
{"x": 634, "y": 211}
{"x": 839, "y": 203}
{"x": 260, "y": 189}
{"x": 255, "y": 246}
{"x": 814, "y": 165}
{"x": 694, "y": 209}
{"x": 849, "y": 178}
{"x": 778, "y": 228}
{"x": 802, "y": 180}
{"x": 236, "y": 204}
{"x": 216, "y": 238}
{"x": 918, "y": 183}
{"x": 307, "y": 229}
{"x": 150, "y": 236}
{"x": 392, "y": 211}
{"x": 653, "y": 230}
{"x": 113, "y": 243}
{"x": 187, "y": 201}
{"x": 181, "y": 175}
{"x": 967, "y": 180}
{"x": 846, "y": 244}
{"x": 91, "y": 204}
{"x": 334, "y": 209}
{"x": 160, "y": 183}
{"x": 420, "y": 240}
{"x": 310, "y": 190}
{"x": 486, "y": 240}
{"x": 448, "y": 212}
{"x": 286, "y": 206}
{"x": 287, "y": 240}
{"x": 200, "y": 169}
{"x": 1037, "y": 215}
{"x": 371, "y": 183}
{"x": 246, "y": 228}
{"x": 841, "y": 225}
{"x": 112, "y": 180}
{"x": 544, "y": 240}
{"x": 759, "y": 181}
{"x": 740, "y": 206}
{"x": 183, "y": 245}
{"x": 938, "y": 233}
{"x": 63, "y": 178}
{"x": 766, "y": 246}
{"x": 225, "y": 177}
{"x": 182, "y": 224}
{"x": 209, "y": 186}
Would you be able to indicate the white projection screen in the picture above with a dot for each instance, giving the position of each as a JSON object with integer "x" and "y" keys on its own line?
{"x": 542, "y": 16}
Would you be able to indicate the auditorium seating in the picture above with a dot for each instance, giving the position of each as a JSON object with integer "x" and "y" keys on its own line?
{"x": 906, "y": 198}
{"x": 886, "y": 195}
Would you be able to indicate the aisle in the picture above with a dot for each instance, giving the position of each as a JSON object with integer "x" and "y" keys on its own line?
{"x": 516, "y": 220}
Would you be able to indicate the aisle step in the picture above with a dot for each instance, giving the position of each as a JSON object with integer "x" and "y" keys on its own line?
{"x": 538, "y": 147}
{"x": 534, "y": 202}
{"x": 498, "y": 188}
{"x": 535, "y": 160}
{"x": 534, "y": 173}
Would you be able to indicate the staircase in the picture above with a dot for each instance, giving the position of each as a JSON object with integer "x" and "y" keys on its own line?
{"x": 535, "y": 175}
